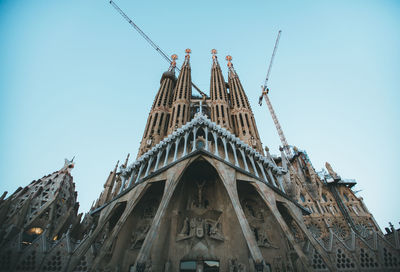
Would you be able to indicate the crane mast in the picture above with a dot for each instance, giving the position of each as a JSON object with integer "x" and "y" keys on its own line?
{"x": 264, "y": 94}
{"x": 155, "y": 46}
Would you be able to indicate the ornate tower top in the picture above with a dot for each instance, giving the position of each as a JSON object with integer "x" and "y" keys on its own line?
{"x": 214, "y": 53}
{"x": 232, "y": 71}
{"x": 174, "y": 57}
{"x": 188, "y": 51}
{"x": 229, "y": 58}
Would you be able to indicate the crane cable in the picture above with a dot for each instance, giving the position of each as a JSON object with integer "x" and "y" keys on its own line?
{"x": 155, "y": 46}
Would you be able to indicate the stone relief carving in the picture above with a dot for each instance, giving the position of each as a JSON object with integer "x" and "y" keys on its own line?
{"x": 262, "y": 237}
{"x": 235, "y": 266}
{"x": 297, "y": 233}
{"x": 200, "y": 220}
{"x": 256, "y": 215}
{"x": 339, "y": 229}
{"x": 144, "y": 267}
{"x": 315, "y": 230}
{"x": 138, "y": 235}
{"x": 332, "y": 173}
{"x": 142, "y": 228}
{"x": 364, "y": 229}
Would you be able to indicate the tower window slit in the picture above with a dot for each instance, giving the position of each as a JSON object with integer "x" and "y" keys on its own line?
{"x": 178, "y": 112}
{"x": 216, "y": 108}
{"x": 219, "y": 85}
{"x": 183, "y": 112}
{"x": 247, "y": 121}
{"x": 155, "y": 120}
{"x": 148, "y": 125}
{"x": 166, "y": 124}
{"x": 222, "y": 111}
{"x": 160, "y": 95}
{"x": 172, "y": 119}
{"x": 160, "y": 123}
{"x": 241, "y": 120}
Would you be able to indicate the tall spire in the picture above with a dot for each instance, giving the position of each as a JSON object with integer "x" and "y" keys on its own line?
{"x": 159, "y": 116}
{"x": 219, "y": 96}
{"x": 181, "y": 96}
{"x": 242, "y": 115}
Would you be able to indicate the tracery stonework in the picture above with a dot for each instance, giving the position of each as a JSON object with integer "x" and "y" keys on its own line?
{"x": 202, "y": 195}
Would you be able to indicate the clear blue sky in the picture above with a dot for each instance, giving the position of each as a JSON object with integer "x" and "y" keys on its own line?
{"x": 76, "y": 79}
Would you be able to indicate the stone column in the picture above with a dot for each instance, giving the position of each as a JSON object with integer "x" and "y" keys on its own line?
{"x": 131, "y": 178}
{"x": 226, "y": 150}
{"x": 166, "y": 154}
{"x": 228, "y": 177}
{"x": 194, "y": 139}
{"x": 185, "y": 144}
{"x": 123, "y": 180}
{"x": 309, "y": 236}
{"x": 254, "y": 166}
{"x": 148, "y": 166}
{"x": 206, "y": 132}
{"x": 262, "y": 171}
{"x": 269, "y": 198}
{"x": 140, "y": 172}
{"x": 272, "y": 178}
{"x": 158, "y": 160}
{"x": 176, "y": 148}
{"x": 244, "y": 160}
{"x": 173, "y": 178}
{"x": 84, "y": 246}
{"x": 216, "y": 143}
{"x": 234, "y": 154}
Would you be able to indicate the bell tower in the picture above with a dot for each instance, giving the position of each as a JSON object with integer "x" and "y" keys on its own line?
{"x": 220, "y": 109}
{"x": 242, "y": 115}
{"x": 181, "y": 98}
{"x": 159, "y": 116}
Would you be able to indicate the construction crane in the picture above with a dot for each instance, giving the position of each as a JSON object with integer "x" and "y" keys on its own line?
{"x": 155, "y": 46}
{"x": 264, "y": 94}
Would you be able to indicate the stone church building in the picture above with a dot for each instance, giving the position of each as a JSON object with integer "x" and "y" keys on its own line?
{"x": 203, "y": 195}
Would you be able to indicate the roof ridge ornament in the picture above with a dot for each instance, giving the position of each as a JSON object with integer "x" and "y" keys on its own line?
{"x": 188, "y": 51}
{"x": 230, "y": 65}
{"x": 174, "y": 57}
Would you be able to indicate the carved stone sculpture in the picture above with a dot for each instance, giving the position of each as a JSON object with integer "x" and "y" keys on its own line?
{"x": 332, "y": 173}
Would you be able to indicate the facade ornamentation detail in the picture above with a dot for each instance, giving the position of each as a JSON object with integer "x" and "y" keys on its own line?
{"x": 202, "y": 195}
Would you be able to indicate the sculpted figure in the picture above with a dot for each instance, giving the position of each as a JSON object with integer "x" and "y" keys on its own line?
{"x": 215, "y": 229}
{"x": 263, "y": 239}
{"x": 200, "y": 193}
{"x": 192, "y": 227}
{"x": 185, "y": 227}
{"x": 138, "y": 236}
{"x": 241, "y": 268}
{"x": 332, "y": 173}
{"x": 232, "y": 265}
{"x": 148, "y": 266}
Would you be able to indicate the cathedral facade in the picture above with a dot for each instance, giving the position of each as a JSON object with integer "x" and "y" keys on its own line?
{"x": 203, "y": 195}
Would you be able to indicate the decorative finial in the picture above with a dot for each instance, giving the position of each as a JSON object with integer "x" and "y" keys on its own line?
{"x": 174, "y": 57}
{"x": 126, "y": 161}
{"x": 229, "y": 58}
{"x": 188, "y": 51}
{"x": 214, "y": 53}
